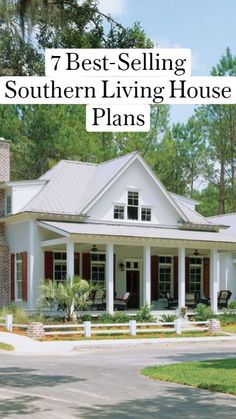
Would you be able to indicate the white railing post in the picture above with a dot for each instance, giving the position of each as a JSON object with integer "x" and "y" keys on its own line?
{"x": 132, "y": 328}
{"x": 87, "y": 329}
{"x": 9, "y": 321}
{"x": 178, "y": 326}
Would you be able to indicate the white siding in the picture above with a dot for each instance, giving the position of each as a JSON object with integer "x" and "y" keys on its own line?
{"x": 22, "y": 194}
{"x": 135, "y": 178}
{"x": 18, "y": 240}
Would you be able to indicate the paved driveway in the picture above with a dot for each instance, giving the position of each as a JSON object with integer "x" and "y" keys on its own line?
{"x": 105, "y": 383}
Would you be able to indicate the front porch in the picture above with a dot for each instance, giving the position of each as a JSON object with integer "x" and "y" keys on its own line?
{"x": 148, "y": 269}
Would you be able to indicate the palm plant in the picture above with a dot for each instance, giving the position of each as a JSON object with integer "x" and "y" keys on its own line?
{"x": 71, "y": 295}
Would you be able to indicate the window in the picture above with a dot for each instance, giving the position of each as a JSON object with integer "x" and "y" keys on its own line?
{"x": 8, "y": 204}
{"x": 146, "y": 214}
{"x": 18, "y": 276}
{"x": 195, "y": 275}
{"x": 133, "y": 204}
{"x": 165, "y": 275}
{"x": 98, "y": 268}
{"x": 60, "y": 269}
{"x": 119, "y": 212}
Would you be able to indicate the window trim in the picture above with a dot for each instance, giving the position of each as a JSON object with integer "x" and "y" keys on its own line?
{"x": 133, "y": 206}
{"x": 197, "y": 265}
{"x": 98, "y": 262}
{"x": 146, "y": 207}
{"x": 171, "y": 264}
{"x": 124, "y": 210}
{"x": 6, "y": 204}
{"x": 58, "y": 260}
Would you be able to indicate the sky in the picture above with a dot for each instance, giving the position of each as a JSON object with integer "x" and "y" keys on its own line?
{"x": 207, "y": 27}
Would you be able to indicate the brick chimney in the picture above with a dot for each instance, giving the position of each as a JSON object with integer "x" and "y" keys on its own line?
{"x": 4, "y": 252}
{"x": 4, "y": 160}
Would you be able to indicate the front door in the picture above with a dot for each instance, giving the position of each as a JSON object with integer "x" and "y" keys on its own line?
{"x": 132, "y": 286}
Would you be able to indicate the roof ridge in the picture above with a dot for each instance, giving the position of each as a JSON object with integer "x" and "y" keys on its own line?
{"x": 119, "y": 157}
{"x": 222, "y": 215}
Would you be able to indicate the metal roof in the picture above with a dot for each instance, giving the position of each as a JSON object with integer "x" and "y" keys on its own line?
{"x": 129, "y": 231}
{"x": 72, "y": 185}
{"x": 228, "y": 220}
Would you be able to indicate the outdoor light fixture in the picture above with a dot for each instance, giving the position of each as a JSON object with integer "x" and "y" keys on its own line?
{"x": 122, "y": 266}
{"x": 94, "y": 248}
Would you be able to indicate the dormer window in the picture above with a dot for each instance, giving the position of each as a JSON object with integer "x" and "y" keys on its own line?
{"x": 133, "y": 204}
{"x": 146, "y": 214}
{"x": 119, "y": 212}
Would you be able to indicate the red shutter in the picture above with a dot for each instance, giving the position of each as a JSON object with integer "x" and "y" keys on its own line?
{"x": 12, "y": 277}
{"x": 76, "y": 264}
{"x": 48, "y": 265}
{"x": 187, "y": 273}
{"x": 86, "y": 266}
{"x": 24, "y": 276}
{"x": 154, "y": 277}
{"x": 176, "y": 269}
{"x": 206, "y": 277}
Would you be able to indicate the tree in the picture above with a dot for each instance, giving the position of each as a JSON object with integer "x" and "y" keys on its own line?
{"x": 28, "y": 27}
{"x": 218, "y": 125}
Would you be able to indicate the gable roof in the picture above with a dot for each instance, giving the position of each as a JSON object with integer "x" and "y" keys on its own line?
{"x": 73, "y": 187}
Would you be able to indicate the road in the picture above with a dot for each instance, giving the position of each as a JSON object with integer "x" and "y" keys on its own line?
{"x": 105, "y": 383}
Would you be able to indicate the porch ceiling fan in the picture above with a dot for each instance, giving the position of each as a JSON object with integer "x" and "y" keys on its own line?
{"x": 196, "y": 253}
{"x": 94, "y": 248}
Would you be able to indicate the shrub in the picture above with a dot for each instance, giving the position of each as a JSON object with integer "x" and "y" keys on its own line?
{"x": 18, "y": 313}
{"x": 86, "y": 318}
{"x": 227, "y": 318}
{"x": 144, "y": 314}
{"x": 232, "y": 305}
{"x": 203, "y": 313}
{"x": 168, "y": 318}
{"x": 105, "y": 318}
{"x": 120, "y": 317}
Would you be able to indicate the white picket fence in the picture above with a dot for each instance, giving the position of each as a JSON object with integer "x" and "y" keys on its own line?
{"x": 132, "y": 328}
{"x": 88, "y": 329}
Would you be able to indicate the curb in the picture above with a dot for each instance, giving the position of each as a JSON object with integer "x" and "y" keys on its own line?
{"x": 136, "y": 342}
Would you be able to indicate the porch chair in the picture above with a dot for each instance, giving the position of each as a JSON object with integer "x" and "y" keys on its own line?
{"x": 190, "y": 299}
{"x": 121, "y": 303}
{"x": 223, "y": 298}
{"x": 171, "y": 302}
{"x": 99, "y": 299}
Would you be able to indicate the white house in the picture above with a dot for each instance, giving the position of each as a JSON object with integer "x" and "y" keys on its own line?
{"x": 113, "y": 223}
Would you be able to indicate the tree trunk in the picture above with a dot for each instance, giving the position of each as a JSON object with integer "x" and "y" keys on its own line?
{"x": 221, "y": 202}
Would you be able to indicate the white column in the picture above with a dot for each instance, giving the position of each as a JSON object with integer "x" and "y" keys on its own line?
{"x": 181, "y": 277}
{"x": 214, "y": 278}
{"x": 147, "y": 275}
{"x": 70, "y": 259}
{"x": 109, "y": 278}
{"x": 31, "y": 264}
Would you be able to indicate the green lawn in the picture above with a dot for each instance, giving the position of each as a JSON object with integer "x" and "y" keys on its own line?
{"x": 229, "y": 328}
{"x": 6, "y": 347}
{"x": 216, "y": 375}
